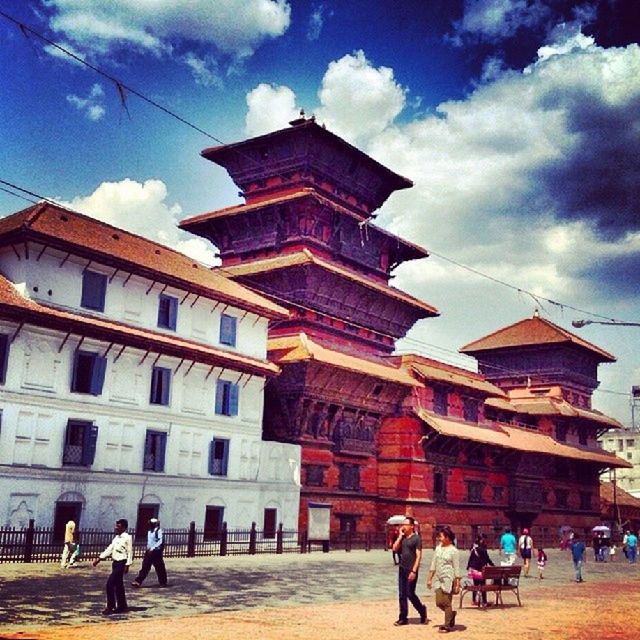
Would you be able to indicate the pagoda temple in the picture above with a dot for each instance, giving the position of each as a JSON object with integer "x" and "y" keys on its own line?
{"x": 305, "y": 238}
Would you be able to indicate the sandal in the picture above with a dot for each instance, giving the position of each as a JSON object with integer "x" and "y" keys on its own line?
{"x": 444, "y": 629}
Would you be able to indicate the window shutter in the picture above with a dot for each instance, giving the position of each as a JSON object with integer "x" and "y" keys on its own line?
{"x": 225, "y": 458}
{"x": 228, "y": 330}
{"x": 160, "y": 452}
{"x": 97, "y": 374}
{"x": 234, "y": 392}
{"x": 173, "y": 313}
{"x": 212, "y": 457}
{"x": 94, "y": 290}
{"x": 220, "y": 384}
{"x": 165, "y": 388}
{"x": 4, "y": 357}
{"x": 89, "y": 440}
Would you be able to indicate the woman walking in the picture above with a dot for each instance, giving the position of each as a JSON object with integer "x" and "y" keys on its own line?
{"x": 444, "y": 575}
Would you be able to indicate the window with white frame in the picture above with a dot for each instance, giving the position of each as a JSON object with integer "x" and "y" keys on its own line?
{"x": 155, "y": 446}
{"x": 80, "y": 443}
{"x": 4, "y": 356}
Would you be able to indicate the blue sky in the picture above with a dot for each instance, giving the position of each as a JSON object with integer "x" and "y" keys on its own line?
{"x": 517, "y": 120}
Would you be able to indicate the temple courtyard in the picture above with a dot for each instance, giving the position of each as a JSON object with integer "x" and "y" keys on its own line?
{"x": 308, "y": 597}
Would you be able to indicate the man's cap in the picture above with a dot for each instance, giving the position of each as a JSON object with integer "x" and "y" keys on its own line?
{"x": 154, "y": 521}
{"x": 526, "y": 532}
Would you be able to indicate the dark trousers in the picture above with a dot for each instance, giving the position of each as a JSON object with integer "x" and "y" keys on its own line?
{"x": 407, "y": 591}
{"x": 116, "y": 598}
{"x": 479, "y": 596}
{"x": 153, "y": 559}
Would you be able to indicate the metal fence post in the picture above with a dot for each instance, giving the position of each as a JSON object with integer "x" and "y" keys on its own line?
{"x": 252, "y": 539}
{"x": 28, "y": 541}
{"x": 191, "y": 540}
{"x": 303, "y": 541}
{"x": 279, "y": 535}
{"x": 223, "y": 539}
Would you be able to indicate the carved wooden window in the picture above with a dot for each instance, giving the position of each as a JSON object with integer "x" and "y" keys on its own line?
{"x": 348, "y": 522}
{"x": 474, "y": 491}
{"x": 498, "y": 494}
{"x": 561, "y": 432}
{"x": 315, "y": 475}
{"x": 583, "y": 437}
{"x": 439, "y": 486}
{"x": 349, "y": 477}
{"x": 562, "y": 498}
{"x": 585, "y": 500}
{"x": 470, "y": 409}
{"x": 440, "y": 401}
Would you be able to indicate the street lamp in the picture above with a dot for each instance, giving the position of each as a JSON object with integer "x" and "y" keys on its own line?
{"x": 581, "y": 323}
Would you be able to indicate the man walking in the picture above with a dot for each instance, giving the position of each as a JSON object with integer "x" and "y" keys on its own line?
{"x": 69, "y": 544}
{"x": 508, "y": 548}
{"x": 408, "y": 545}
{"x": 578, "y": 554}
{"x": 632, "y": 547}
{"x": 153, "y": 556}
{"x": 121, "y": 553}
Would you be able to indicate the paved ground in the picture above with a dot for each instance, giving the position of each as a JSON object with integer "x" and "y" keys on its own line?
{"x": 311, "y": 597}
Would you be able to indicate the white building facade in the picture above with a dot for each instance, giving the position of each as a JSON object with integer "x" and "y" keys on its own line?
{"x": 626, "y": 445}
{"x": 131, "y": 384}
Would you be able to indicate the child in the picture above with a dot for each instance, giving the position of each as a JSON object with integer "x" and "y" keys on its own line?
{"x": 542, "y": 562}
{"x": 612, "y": 552}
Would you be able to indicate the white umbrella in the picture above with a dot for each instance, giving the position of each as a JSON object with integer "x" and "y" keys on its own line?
{"x": 395, "y": 520}
{"x": 603, "y": 528}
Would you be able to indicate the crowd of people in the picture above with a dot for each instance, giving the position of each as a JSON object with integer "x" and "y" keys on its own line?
{"x": 445, "y": 573}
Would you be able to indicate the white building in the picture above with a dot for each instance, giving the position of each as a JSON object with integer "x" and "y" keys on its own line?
{"x": 131, "y": 384}
{"x": 626, "y": 445}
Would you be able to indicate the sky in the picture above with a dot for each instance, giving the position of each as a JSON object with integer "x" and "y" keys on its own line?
{"x": 517, "y": 120}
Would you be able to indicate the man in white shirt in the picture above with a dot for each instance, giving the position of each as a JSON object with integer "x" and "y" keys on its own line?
{"x": 69, "y": 543}
{"x": 153, "y": 556}
{"x": 525, "y": 545}
{"x": 121, "y": 553}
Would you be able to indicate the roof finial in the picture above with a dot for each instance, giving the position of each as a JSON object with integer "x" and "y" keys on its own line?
{"x": 536, "y": 313}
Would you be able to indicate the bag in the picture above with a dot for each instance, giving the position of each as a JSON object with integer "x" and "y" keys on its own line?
{"x": 474, "y": 574}
{"x": 455, "y": 589}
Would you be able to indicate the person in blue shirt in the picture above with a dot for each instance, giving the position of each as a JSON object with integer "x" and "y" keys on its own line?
{"x": 153, "y": 556}
{"x": 508, "y": 547}
{"x": 578, "y": 554}
{"x": 632, "y": 547}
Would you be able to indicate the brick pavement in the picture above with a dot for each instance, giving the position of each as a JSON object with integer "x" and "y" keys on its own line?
{"x": 288, "y": 596}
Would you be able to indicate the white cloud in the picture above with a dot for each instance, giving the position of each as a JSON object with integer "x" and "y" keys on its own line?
{"x": 358, "y": 100}
{"x": 270, "y": 107}
{"x": 316, "y": 22}
{"x": 204, "y": 69}
{"x": 495, "y": 20}
{"x": 138, "y": 207}
{"x": 90, "y": 105}
{"x": 235, "y": 27}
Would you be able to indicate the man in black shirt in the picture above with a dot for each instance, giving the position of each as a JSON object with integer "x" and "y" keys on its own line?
{"x": 409, "y": 545}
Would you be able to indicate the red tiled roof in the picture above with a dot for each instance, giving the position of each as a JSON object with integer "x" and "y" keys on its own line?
{"x": 622, "y": 498}
{"x": 531, "y": 332}
{"x": 16, "y": 307}
{"x": 428, "y": 369}
{"x": 521, "y": 439}
{"x": 82, "y": 235}
{"x": 306, "y": 256}
{"x": 299, "y": 348}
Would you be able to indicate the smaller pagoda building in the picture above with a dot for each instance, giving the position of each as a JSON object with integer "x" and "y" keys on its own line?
{"x": 516, "y": 444}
